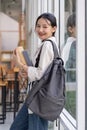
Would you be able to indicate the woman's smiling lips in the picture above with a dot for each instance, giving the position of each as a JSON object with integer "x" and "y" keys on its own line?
{"x": 41, "y": 34}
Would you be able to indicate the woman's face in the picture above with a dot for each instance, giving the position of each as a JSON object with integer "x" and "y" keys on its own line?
{"x": 72, "y": 31}
{"x": 44, "y": 29}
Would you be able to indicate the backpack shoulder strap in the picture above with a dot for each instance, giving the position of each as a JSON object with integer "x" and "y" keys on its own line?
{"x": 54, "y": 48}
{"x": 38, "y": 58}
{"x": 56, "y": 54}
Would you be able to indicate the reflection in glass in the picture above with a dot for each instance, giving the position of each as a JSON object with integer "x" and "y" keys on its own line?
{"x": 69, "y": 56}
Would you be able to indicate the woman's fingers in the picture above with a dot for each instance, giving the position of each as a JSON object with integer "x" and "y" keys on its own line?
{"x": 23, "y": 74}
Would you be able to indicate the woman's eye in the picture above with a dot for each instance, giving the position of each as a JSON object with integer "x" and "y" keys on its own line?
{"x": 45, "y": 27}
{"x": 38, "y": 26}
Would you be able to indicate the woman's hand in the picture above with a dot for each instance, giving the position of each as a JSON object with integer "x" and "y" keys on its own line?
{"x": 23, "y": 74}
{"x": 23, "y": 69}
{"x": 16, "y": 59}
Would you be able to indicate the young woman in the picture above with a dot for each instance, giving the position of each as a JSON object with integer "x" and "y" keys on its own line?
{"x": 45, "y": 28}
{"x": 71, "y": 31}
{"x": 69, "y": 50}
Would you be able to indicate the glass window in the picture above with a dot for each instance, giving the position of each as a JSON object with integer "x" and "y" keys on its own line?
{"x": 69, "y": 55}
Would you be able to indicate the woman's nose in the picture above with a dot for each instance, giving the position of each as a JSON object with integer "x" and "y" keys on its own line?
{"x": 40, "y": 29}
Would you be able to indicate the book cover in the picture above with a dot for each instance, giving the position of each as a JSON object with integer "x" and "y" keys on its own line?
{"x": 26, "y": 57}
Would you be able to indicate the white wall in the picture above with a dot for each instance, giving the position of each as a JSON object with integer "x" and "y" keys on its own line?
{"x": 9, "y": 32}
{"x": 81, "y": 65}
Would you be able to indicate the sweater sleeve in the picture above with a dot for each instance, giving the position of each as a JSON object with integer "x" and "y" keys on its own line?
{"x": 46, "y": 57}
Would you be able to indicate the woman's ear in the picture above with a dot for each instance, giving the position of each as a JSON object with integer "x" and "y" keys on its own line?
{"x": 70, "y": 29}
{"x": 54, "y": 29}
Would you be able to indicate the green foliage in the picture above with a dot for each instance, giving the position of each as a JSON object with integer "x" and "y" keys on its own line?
{"x": 71, "y": 103}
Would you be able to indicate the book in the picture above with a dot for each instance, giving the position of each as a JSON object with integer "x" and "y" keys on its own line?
{"x": 24, "y": 56}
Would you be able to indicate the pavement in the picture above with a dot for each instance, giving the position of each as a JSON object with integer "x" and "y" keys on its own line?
{"x": 8, "y": 121}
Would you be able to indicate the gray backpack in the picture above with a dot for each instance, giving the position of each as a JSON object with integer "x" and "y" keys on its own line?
{"x": 47, "y": 96}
